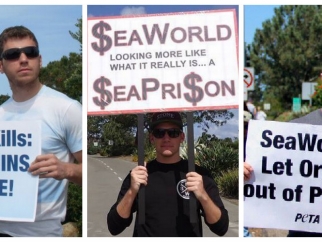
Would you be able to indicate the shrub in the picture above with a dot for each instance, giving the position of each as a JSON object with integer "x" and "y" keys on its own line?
{"x": 103, "y": 151}
{"x": 93, "y": 150}
{"x": 149, "y": 154}
{"x": 217, "y": 156}
{"x": 228, "y": 183}
{"x": 317, "y": 96}
{"x": 218, "y": 159}
{"x": 135, "y": 158}
{"x": 74, "y": 206}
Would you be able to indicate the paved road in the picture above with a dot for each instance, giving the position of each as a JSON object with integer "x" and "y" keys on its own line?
{"x": 105, "y": 176}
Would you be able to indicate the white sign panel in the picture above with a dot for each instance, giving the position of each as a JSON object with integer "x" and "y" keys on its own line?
{"x": 308, "y": 88}
{"x": 180, "y": 61}
{"x": 20, "y": 143}
{"x": 285, "y": 190}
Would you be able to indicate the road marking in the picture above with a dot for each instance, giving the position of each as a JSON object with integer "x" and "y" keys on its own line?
{"x": 109, "y": 168}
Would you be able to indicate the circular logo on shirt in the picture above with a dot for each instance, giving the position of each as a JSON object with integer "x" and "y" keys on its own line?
{"x": 182, "y": 190}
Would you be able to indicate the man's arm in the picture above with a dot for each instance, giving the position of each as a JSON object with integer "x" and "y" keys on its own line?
{"x": 75, "y": 169}
{"x": 139, "y": 176}
{"x": 195, "y": 184}
{"x": 216, "y": 216}
{"x": 120, "y": 215}
{"x": 49, "y": 166}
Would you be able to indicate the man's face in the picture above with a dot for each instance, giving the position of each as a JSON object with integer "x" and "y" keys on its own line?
{"x": 23, "y": 70}
{"x": 167, "y": 146}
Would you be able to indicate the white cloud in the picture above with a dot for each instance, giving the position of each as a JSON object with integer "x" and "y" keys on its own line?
{"x": 133, "y": 11}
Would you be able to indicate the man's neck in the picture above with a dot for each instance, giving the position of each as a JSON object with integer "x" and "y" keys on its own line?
{"x": 21, "y": 94}
{"x": 168, "y": 159}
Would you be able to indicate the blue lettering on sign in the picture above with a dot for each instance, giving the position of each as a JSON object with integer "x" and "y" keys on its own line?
{"x": 14, "y": 163}
{"x": 4, "y": 189}
{"x": 11, "y": 138}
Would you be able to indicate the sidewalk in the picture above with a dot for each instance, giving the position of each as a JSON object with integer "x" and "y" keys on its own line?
{"x": 257, "y": 232}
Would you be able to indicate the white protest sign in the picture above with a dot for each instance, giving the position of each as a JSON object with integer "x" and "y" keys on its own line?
{"x": 169, "y": 62}
{"x": 20, "y": 143}
{"x": 285, "y": 190}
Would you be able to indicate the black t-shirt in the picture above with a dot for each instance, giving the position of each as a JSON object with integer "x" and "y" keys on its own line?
{"x": 167, "y": 204}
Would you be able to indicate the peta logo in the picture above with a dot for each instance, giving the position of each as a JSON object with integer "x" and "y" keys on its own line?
{"x": 307, "y": 218}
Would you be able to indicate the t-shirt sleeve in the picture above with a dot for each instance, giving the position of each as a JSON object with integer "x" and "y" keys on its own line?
{"x": 73, "y": 127}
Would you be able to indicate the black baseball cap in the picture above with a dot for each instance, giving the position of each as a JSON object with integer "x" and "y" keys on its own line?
{"x": 163, "y": 117}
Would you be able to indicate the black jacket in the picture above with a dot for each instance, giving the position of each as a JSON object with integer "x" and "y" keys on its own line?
{"x": 166, "y": 211}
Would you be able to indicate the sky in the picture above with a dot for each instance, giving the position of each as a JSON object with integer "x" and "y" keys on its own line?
{"x": 51, "y": 26}
{"x": 230, "y": 129}
{"x": 254, "y": 16}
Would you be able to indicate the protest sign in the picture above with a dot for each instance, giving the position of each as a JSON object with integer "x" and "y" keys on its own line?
{"x": 285, "y": 189}
{"x": 163, "y": 62}
{"x": 20, "y": 143}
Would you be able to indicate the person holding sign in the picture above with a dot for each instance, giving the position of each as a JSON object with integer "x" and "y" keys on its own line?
{"x": 61, "y": 132}
{"x": 247, "y": 167}
{"x": 168, "y": 187}
{"x": 314, "y": 118}
{"x": 297, "y": 148}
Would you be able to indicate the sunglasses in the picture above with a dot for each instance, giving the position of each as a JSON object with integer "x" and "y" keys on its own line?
{"x": 160, "y": 133}
{"x": 14, "y": 53}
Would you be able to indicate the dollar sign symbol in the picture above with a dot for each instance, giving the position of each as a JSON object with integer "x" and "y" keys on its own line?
{"x": 196, "y": 91}
{"x": 98, "y": 32}
{"x": 106, "y": 96}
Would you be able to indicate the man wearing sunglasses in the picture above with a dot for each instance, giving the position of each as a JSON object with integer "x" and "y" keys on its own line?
{"x": 168, "y": 187}
{"x": 61, "y": 132}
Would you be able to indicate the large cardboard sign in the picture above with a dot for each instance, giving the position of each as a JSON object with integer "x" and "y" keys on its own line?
{"x": 20, "y": 143}
{"x": 163, "y": 62}
{"x": 285, "y": 191}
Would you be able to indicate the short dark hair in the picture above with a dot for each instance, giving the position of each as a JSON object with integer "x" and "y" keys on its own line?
{"x": 16, "y": 32}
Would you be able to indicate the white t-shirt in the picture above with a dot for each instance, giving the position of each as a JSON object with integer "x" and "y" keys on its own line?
{"x": 251, "y": 107}
{"x": 261, "y": 115}
{"x": 61, "y": 132}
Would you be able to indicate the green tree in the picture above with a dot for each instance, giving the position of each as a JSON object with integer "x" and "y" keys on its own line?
{"x": 74, "y": 82}
{"x": 78, "y": 35}
{"x": 122, "y": 129}
{"x": 317, "y": 95}
{"x": 287, "y": 51}
{"x": 65, "y": 75}
{"x": 3, "y": 98}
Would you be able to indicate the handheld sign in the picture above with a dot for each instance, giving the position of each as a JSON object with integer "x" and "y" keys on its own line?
{"x": 19, "y": 146}
{"x": 285, "y": 190}
{"x": 170, "y": 62}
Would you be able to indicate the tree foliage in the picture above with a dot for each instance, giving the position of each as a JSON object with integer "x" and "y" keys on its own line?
{"x": 65, "y": 75}
{"x": 3, "y": 98}
{"x": 287, "y": 51}
{"x": 122, "y": 129}
{"x": 78, "y": 35}
{"x": 317, "y": 95}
